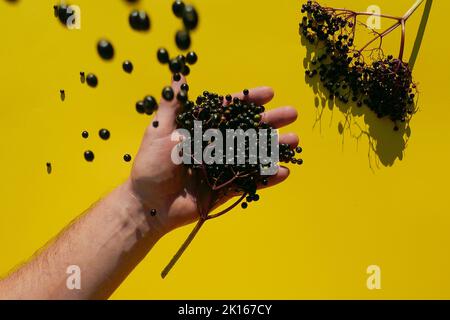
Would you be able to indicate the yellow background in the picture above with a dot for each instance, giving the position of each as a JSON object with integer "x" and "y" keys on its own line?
{"x": 312, "y": 237}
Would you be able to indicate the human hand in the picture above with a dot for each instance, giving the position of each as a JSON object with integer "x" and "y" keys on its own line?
{"x": 175, "y": 191}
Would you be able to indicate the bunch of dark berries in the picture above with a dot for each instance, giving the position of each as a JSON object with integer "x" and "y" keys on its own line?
{"x": 223, "y": 113}
{"x": 384, "y": 84}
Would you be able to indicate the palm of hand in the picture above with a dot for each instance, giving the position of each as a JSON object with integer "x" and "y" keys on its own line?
{"x": 179, "y": 195}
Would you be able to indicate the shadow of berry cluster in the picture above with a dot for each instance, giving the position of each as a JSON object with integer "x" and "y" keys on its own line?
{"x": 387, "y": 140}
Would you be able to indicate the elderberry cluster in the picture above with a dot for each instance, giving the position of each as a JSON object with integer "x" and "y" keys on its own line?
{"x": 223, "y": 113}
{"x": 384, "y": 84}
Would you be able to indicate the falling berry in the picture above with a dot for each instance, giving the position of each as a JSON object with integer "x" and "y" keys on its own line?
{"x": 89, "y": 156}
{"x": 178, "y": 8}
{"x": 183, "y": 39}
{"x": 190, "y": 18}
{"x": 168, "y": 93}
{"x": 105, "y": 49}
{"x": 104, "y": 134}
{"x": 175, "y": 65}
{"x": 191, "y": 58}
{"x": 127, "y": 66}
{"x": 85, "y": 134}
{"x": 185, "y": 87}
{"x": 139, "y": 20}
{"x": 92, "y": 80}
{"x": 186, "y": 71}
{"x": 163, "y": 55}
{"x": 176, "y": 77}
{"x": 127, "y": 158}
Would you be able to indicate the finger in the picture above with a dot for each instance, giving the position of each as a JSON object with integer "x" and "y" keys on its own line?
{"x": 280, "y": 117}
{"x": 289, "y": 138}
{"x": 168, "y": 110}
{"x": 259, "y": 96}
{"x": 282, "y": 174}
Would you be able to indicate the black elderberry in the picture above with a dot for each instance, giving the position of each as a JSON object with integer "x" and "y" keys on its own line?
{"x": 182, "y": 96}
{"x": 105, "y": 49}
{"x": 127, "y": 66}
{"x": 150, "y": 105}
{"x": 153, "y": 212}
{"x": 92, "y": 80}
{"x": 140, "y": 108}
{"x": 89, "y": 156}
{"x": 186, "y": 71}
{"x": 175, "y": 66}
{"x": 85, "y": 134}
{"x": 246, "y": 92}
{"x": 191, "y": 58}
{"x": 168, "y": 93}
{"x": 176, "y": 77}
{"x": 183, "y": 39}
{"x": 155, "y": 124}
{"x": 64, "y": 13}
{"x": 127, "y": 158}
{"x": 185, "y": 87}
{"x": 139, "y": 20}
{"x": 104, "y": 134}
{"x": 190, "y": 17}
{"x": 244, "y": 205}
{"x": 178, "y": 8}
{"x": 163, "y": 55}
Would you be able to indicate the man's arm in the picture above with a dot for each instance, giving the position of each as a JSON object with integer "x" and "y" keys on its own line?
{"x": 106, "y": 243}
{"x": 110, "y": 240}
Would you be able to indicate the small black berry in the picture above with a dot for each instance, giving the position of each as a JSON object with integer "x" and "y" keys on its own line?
{"x": 89, "y": 156}
{"x": 168, "y": 93}
{"x": 176, "y": 77}
{"x": 183, "y": 39}
{"x": 190, "y": 18}
{"x": 178, "y": 8}
{"x": 140, "y": 108}
{"x": 104, "y": 134}
{"x": 163, "y": 55}
{"x": 191, "y": 58}
{"x": 105, "y": 49}
{"x": 127, "y": 66}
{"x": 127, "y": 158}
{"x": 92, "y": 80}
